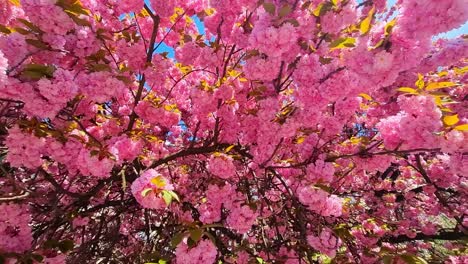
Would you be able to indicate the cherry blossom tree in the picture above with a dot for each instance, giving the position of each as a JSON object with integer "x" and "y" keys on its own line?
{"x": 282, "y": 131}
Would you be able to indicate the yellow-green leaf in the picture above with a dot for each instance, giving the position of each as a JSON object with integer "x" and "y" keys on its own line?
{"x": 463, "y": 127}
{"x": 451, "y": 120}
{"x": 439, "y": 85}
{"x": 316, "y": 11}
{"x": 442, "y": 73}
{"x": 158, "y": 181}
{"x": 379, "y": 44}
{"x": 146, "y": 191}
{"x": 460, "y": 71}
{"x": 355, "y": 140}
{"x": 445, "y": 109}
{"x": 143, "y": 13}
{"x": 407, "y": 90}
{"x": 420, "y": 82}
{"x": 15, "y": 2}
{"x": 300, "y": 139}
{"x": 343, "y": 43}
{"x": 438, "y": 100}
{"x": 389, "y": 27}
{"x": 366, "y": 23}
{"x": 365, "y": 96}
{"x": 174, "y": 195}
{"x": 167, "y": 197}
{"x": 322, "y": 8}
{"x": 229, "y": 148}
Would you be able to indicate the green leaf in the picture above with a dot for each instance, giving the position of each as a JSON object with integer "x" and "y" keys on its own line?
{"x": 30, "y": 25}
{"x": 37, "y": 71}
{"x": 412, "y": 259}
{"x": 191, "y": 243}
{"x": 100, "y": 68}
{"x": 306, "y": 5}
{"x": 102, "y": 34}
{"x": 37, "y": 257}
{"x": 161, "y": 261}
{"x": 212, "y": 225}
{"x": 177, "y": 238}
{"x": 4, "y": 29}
{"x": 324, "y": 60}
{"x": 343, "y": 43}
{"x": 52, "y": 243}
{"x": 285, "y": 10}
{"x": 292, "y": 21}
{"x": 74, "y": 7}
{"x": 387, "y": 259}
{"x": 66, "y": 246}
{"x": 342, "y": 232}
{"x": 260, "y": 260}
{"x": 37, "y": 43}
{"x": 187, "y": 38}
{"x": 124, "y": 79}
{"x": 270, "y": 8}
{"x": 79, "y": 21}
{"x": 22, "y": 31}
{"x": 196, "y": 234}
